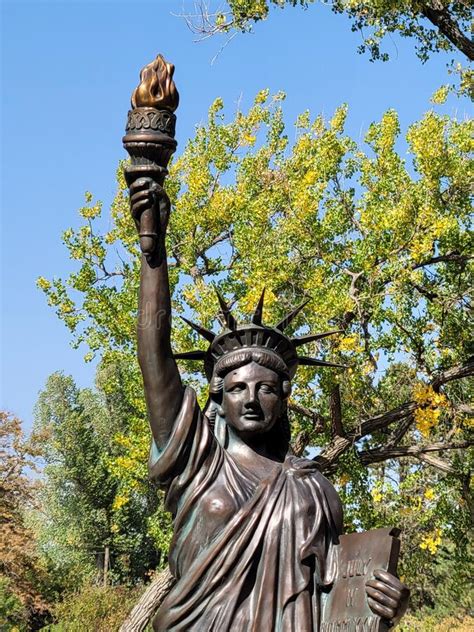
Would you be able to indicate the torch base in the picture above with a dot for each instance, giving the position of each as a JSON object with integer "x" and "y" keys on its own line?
{"x": 148, "y": 170}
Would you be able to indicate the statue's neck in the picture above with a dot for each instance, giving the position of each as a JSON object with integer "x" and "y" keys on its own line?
{"x": 252, "y": 454}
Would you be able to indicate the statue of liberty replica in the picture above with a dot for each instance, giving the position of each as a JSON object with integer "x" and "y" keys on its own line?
{"x": 257, "y": 530}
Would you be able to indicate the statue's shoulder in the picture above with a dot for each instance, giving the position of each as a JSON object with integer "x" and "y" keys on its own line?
{"x": 302, "y": 463}
{"x": 309, "y": 468}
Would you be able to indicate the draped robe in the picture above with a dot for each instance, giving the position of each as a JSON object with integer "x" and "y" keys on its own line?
{"x": 249, "y": 555}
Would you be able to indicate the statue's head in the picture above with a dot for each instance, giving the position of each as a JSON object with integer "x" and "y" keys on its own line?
{"x": 249, "y": 390}
{"x": 250, "y": 368}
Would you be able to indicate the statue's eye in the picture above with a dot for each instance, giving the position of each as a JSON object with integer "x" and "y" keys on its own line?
{"x": 267, "y": 388}
{"x": 236, "y": 388}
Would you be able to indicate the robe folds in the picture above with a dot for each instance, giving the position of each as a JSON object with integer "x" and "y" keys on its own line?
{"x": 248, "y": 555}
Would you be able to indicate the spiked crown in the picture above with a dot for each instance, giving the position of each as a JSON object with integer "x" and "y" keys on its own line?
{"x": 255, "y": 335}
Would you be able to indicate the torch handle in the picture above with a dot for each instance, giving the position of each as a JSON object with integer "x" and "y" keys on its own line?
{"x": 148, "y": 233}
{"x": 149, "y": 229}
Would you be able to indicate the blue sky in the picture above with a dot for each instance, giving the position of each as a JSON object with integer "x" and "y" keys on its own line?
{"x": 68, "y": 69}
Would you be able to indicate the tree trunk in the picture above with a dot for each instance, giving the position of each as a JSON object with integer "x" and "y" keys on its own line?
{"x": 149, "y": 602}
{"x": 335, "y": 410}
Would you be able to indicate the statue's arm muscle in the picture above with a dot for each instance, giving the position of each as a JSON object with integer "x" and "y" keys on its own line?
{"x": 161, "y": 379}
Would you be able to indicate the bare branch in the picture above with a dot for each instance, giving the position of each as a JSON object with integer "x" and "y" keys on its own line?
{"x": 327, "y": 459}
{"x": 455, "y": 373}
{"x": 401, "y": 431}
{"x": 436, "y": 462}
{"x": 149, "y": 602}
{"x": 318, "y": 420}
{"x": 303, "y": 438}
{"x": 382, "y": 421}
{"x": 392, "y": 452}
{"x": 431, "y": 296}
{"x": 464, "y": 409}
{"x": 298, "y": 446}
{"x": 205, "y": 23}
{"x": 450, "y": 256}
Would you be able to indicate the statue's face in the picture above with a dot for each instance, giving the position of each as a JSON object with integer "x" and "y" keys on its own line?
{"x": 253, "y": 399}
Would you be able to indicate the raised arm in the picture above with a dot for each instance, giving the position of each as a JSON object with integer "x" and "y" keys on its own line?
{"x": 161, "y": 379}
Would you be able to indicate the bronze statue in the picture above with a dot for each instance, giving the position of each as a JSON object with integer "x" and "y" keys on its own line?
{"x": 256, "y": 529}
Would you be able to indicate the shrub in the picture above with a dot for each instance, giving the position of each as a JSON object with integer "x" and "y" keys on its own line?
{"x": 94, "y": 609}
{"x": 432, "y": 623}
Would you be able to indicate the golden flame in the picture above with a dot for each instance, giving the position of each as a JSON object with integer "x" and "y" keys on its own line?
{"x": 156, "y": 89}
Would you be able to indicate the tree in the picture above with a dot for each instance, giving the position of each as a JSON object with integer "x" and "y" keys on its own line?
{"x": 21, "y": 570}
{"x": 435, "y": 25}
{"x": 93, "y": 525}
{"x": 382, "y": 247}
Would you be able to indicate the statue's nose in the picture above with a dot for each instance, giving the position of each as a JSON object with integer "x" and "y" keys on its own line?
{"x": 252, "y": 397}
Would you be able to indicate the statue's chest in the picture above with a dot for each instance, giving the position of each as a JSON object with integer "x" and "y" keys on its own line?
{"x": 227, "y": 494}
{"x": 217, "y": 506}
{"x": 231, "y": 492}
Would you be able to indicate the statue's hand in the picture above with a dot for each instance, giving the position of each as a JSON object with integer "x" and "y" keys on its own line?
{"x": 387, "y": 596}
{"x": 148, "y": 195}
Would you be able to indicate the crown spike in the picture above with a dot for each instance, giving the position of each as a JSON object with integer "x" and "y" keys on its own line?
{"x": 202, "y": 331}
{"x": 315, "y": 362}
{"x": 257, "y": 317}
{"x": 302, "y": 340}
{"x": 283, "y": 324}
{"x": 190, "y": 355}
{"x": 228, "y": 317}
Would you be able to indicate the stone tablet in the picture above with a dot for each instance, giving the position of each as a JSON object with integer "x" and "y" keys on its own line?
{"x": 345, "y": 607}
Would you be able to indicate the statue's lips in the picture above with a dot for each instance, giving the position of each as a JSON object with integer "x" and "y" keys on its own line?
{"x": 252, "y": 416}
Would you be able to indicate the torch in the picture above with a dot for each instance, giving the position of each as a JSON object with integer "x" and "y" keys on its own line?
{"x": 149, "y": 136}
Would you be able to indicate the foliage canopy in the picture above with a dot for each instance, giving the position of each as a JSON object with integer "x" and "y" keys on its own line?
{"x": 376, "y": 234}
{"x": 434, "y": 25}
{"x": 84, "y": 507}
{"x": 378, "y": 241}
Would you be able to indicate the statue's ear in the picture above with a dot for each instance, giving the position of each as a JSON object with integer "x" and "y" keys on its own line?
{"x": 286, "y": 388}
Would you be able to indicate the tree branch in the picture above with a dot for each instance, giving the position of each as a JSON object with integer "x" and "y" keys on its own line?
{"x": 450, "y": 256}
{"x": 337, "y": 429}
{"x": 316, "y": 419}
{"x": 455, "y": 373}
{"x": 436, "y": 462}
{"x": 327, "y": 459}
{"x": 303, "y": 438}
{"x": 431, "y": 296}
{"x": 439, "y": 15}
{"x": 401, "y": 431}
{"x": 465, "y": 409}
{"x": 392, "y": 452}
